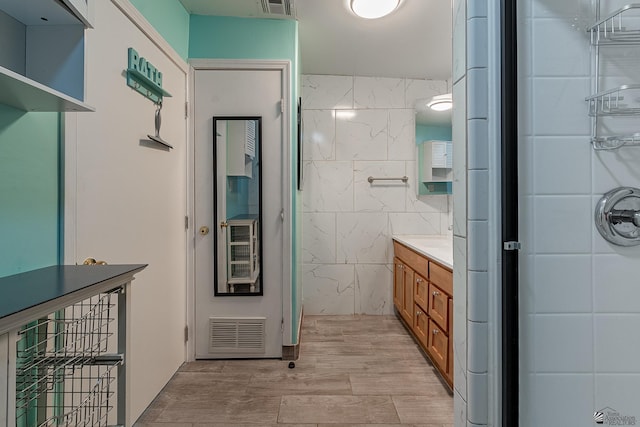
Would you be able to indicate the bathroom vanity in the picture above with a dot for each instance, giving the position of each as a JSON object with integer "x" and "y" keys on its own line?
{"x": 423, "y": 295}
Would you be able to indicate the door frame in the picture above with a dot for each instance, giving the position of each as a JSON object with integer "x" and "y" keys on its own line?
{"x": 284, "y": 66}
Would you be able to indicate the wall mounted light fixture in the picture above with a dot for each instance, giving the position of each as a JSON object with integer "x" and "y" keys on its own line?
{"x": 373, "y": 9}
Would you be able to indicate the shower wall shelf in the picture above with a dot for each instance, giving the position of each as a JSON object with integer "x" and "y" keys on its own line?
{"x": 620, "y": 28}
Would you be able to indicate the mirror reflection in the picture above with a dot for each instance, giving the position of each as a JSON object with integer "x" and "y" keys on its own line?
{"x": 237, "y": 187}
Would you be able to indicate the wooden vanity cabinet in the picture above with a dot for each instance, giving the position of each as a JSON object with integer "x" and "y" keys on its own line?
{"x": 403, "y": 289}
{"x": 423, "y": 298}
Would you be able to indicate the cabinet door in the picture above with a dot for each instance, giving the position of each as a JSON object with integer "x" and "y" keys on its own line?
{"x": 398, "y": 285}
{"x": 421, "y": 326}
{"x": 421, "y": 288}
{"x": 407, "y": 305}
{"x": 450, "y": 361}
{"x": 439, "y": 307}
{"x": 438, "y": 346}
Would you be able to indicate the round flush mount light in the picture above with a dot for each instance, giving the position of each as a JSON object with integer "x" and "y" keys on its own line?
{"x": 373, "y": 9}
{"x": 441, "y": 102}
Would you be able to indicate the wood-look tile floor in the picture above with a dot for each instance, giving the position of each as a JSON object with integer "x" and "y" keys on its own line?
{"x": 352, "y": 371}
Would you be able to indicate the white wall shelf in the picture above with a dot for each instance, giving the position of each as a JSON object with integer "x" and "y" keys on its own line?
{"x": 42, "y": 59}
{"x": 25, "y": 94}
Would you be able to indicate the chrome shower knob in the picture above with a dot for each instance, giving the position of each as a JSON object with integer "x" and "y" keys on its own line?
{"x": 617, "y": 216}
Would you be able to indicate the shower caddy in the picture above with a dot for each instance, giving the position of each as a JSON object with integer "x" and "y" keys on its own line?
{"x": 620, "y": 101}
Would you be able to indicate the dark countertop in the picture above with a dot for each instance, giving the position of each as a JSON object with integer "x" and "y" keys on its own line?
{"x": 24, "y": 292}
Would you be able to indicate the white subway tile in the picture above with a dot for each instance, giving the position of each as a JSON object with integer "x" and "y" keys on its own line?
{"x": 616, "y": 291}
{"x": 328, "y": 289}
{"x": 562, "y": 284}
{"x": 321, "y": 92}
{"x": 476, "y": 8}
{"x": 364, "y": 238}
{"x": 361, "y": 134}
{"x": 374, "y": 289}
{"x": 478, "y": 195}
{"x": 617, "y": 343}
{"x": 477, "y": 43}
{"x": 328, "y": 187}
{"x": 560, "y": 107}
{"x": 561, "y": 224}
{"x": 477, "y": 93}
{"x": 612, "y": 169}
{"x": 478, "y": 146}
{"x": 402, "y": 135}
{"x": 319, "y": 135}
{"x": 378, "y": 92}
{"x": 562, "y": 165}
{"x": 477, "y": 347}
{"x": 619, "y": 391}
{"x": 564, "y": 343}
{"x": 477, "y": 398}
{"x": 569, "y": 58}
{"x": 319, "y": 238}
{"x": 414, "y": 223}
{"x": 560, "y": 400}
{"x": 478, "y": 249}
{"x": 478, "y": 296}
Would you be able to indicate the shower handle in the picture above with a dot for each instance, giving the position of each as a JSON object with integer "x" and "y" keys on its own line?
{"x": 626, "y": 215}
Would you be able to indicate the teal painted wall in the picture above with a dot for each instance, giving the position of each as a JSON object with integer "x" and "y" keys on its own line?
{"x": 29, "y": 190}
{"x": 171, "y": 20}
{"x": 224, "y": 37}
{"x": 432, "y": 133}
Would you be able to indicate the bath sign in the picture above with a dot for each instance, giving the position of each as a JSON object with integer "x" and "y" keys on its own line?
{"x": 144, "y": 77}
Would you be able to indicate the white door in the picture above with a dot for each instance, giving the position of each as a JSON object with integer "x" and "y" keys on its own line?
{"x": 238, "y": 93}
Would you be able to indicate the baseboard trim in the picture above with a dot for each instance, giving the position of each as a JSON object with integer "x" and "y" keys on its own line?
{"x": 292, "y": 352}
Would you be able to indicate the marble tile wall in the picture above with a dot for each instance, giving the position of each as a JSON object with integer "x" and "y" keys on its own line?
{"x": 356, "y": 127}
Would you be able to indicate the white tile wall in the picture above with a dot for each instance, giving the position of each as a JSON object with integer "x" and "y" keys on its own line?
{"x": 356, "y": 127}
{"x": 578, "y": 290}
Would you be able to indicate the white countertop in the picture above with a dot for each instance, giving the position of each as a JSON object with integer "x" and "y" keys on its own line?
{"x": 437, "y": 247}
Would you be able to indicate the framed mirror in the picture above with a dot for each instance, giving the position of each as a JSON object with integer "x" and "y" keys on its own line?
{"x": 238, "y": 205}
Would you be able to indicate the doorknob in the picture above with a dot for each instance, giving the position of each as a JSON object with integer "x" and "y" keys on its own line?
{"x": 204, "y": 230}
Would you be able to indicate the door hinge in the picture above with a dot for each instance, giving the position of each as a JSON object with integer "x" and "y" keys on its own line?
{"x": 186, "y": 333}
{"x": 282, "y": 105}
{"x": 186, "y": 110}
{"x": 511, "y": 246}
{"x": 186, "y": 222}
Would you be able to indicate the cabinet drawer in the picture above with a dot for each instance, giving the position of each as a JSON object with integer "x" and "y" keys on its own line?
{"x": 421, "y": 288}
{"x": 441, "y": 277}
{"x": 421, "y": 326}
{"x": 439, "y": 307}
{"x": 415, "y": 261}
{"x": 438, "y": 346}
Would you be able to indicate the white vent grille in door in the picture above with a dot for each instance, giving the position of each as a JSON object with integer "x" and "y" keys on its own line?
{"x": 241, "y": 335}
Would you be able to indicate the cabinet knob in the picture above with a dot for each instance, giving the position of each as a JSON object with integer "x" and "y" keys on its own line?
{"x": 419, "y": 280}
{"x": 435, "y": 332}
{"x": 400, "y": 266}
{"x": 418, "y": 313}
{"x": 436, "y": 293}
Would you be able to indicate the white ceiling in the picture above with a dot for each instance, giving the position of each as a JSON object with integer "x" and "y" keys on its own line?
{"x": 415, "y": 41}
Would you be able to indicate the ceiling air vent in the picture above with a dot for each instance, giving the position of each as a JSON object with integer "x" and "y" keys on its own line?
{"x": 277, "y": 7}
{"x": 241, "y": 335}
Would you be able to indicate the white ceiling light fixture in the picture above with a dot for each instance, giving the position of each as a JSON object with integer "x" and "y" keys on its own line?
{"x": 373, "y": 9}
{"x": 441, "y": 102}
